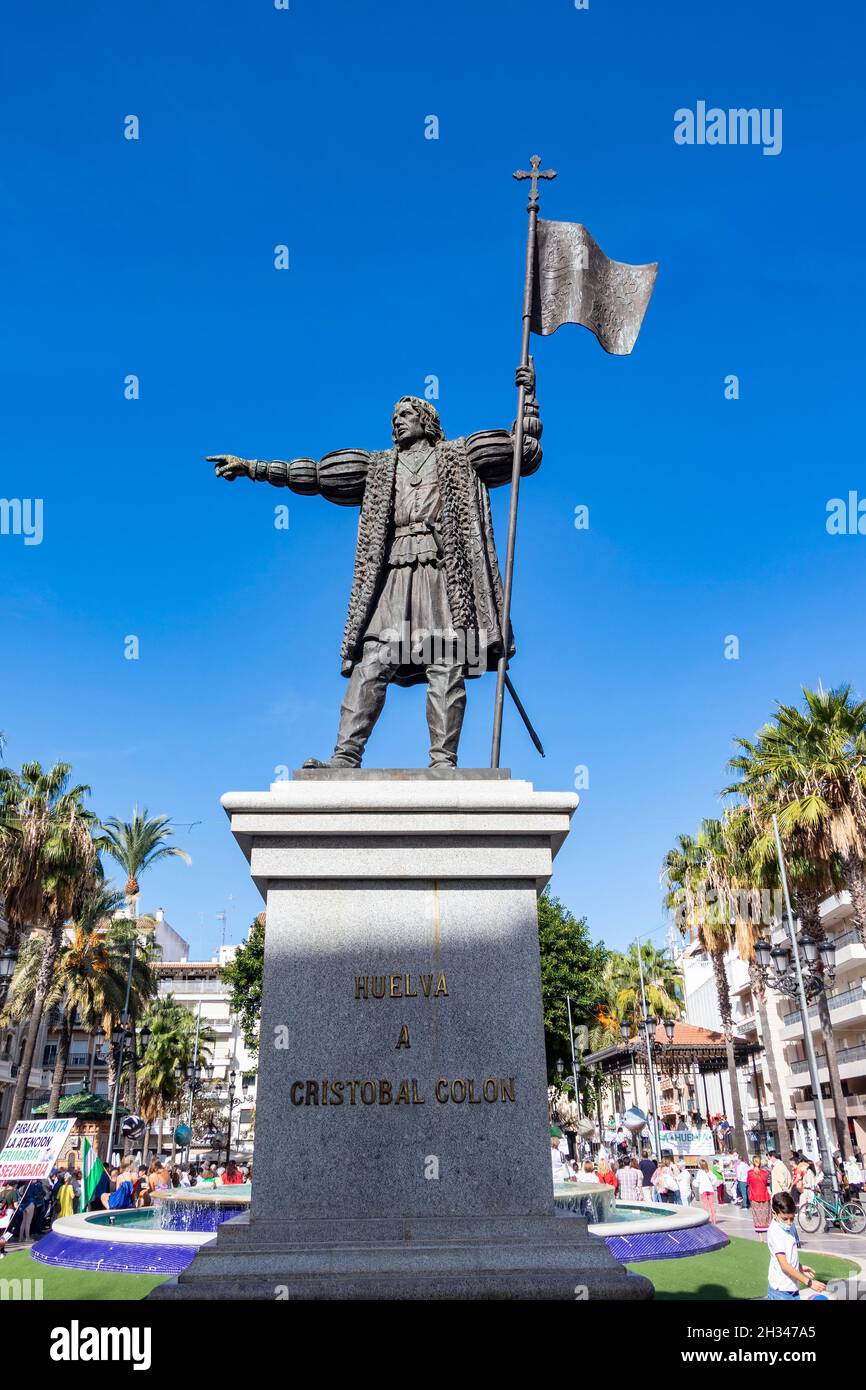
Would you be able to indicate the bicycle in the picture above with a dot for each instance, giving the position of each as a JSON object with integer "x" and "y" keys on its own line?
{"x": 849, "y": 1215}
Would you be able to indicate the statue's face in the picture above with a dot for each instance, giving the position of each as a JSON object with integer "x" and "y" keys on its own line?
{"x": 407, "y": 425}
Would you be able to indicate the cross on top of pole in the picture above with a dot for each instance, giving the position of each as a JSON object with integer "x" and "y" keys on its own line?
{"x": 535, "y": 175}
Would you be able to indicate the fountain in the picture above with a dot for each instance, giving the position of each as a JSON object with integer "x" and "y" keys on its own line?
{"x": 635, "y": 1231}
{"x": 160, "y": 1239}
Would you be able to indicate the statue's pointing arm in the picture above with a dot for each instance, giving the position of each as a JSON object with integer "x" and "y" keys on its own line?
{"x": 338, "y": 477}
{"x": 491, "y": 452}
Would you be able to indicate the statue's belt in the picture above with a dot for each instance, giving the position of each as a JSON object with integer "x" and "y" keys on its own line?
{"x": 426, "y": 547}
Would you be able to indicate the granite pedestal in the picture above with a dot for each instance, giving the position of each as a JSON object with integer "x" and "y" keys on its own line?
{"x": 401, "y": 1146}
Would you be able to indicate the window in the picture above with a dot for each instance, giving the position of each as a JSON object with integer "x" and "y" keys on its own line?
{"x": 49, "y": 1054}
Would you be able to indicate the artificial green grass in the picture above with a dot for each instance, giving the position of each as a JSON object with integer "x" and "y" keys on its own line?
{"x": 74, "y": 1284}
{"x": 735, "y": 1272}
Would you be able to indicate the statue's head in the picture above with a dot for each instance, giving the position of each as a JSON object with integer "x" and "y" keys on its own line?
{"x": 413, "y": 419}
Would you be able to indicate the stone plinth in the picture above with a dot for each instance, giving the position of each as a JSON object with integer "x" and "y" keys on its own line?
{"x": 402, "y": 1142}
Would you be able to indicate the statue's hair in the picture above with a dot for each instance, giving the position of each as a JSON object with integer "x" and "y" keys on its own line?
{"x": 428, "y": 415}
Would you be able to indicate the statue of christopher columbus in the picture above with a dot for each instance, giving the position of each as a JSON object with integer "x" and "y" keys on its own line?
{"x": 426, "y": 600}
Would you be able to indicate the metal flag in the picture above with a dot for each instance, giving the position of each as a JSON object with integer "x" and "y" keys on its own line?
{"x": 575, "y": 282}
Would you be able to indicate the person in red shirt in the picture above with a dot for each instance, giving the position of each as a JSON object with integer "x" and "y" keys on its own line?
{"x": 232, "y": 1173}
{"x": 758, "y": 1188}
{"x": 606, "y": 1173}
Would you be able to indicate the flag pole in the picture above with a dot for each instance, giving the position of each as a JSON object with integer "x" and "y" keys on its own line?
{"x": 517, "y": 459}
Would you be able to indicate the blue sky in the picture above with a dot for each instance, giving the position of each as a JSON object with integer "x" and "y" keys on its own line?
{"x": 155, "y": 257}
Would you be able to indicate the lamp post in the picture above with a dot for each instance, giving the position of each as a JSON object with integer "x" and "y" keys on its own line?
{"x": 789, "y": 979}
{"x": 196, "y": 1076}
{"x": 761, "y": 1130}
{"x": 571, "y": 1032}
{"x": 648, "y": 1023}
{"x": 625, "y": 1034}
{"x": 233, "y": 1076}
{"x": 121, "y": 1035}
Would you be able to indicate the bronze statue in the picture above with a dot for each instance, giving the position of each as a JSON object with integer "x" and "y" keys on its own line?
{"x": 426, "y": 600}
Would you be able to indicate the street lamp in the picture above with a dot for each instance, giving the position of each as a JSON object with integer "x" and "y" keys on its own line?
{"x": 648, "y": 1025}
{"x": 670, "y": 1025}
{"x": 796, "y": 984}
{"x": 763, "y": 954}
{"x": 233, "y": 1076}
{"x": 197, "y": 1077}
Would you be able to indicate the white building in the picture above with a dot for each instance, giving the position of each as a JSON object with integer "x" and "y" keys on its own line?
{"x": 197, "y": 985}
{"x": 847, "y": 999}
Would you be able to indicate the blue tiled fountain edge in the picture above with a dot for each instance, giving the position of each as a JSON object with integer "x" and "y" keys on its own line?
{"x": 666, "y": 1245}
{"x": 114, "y": 1257}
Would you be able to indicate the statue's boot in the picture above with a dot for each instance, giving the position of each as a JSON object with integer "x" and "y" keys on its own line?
{"x": 365, "y": 697}
{"x": 446, "y": 706}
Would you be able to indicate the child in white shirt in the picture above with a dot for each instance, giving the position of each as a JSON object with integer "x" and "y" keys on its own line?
{"x": 785, "y": 1275}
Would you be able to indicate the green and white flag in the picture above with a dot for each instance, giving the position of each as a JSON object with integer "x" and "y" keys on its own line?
{"x": 92, "y": 1172}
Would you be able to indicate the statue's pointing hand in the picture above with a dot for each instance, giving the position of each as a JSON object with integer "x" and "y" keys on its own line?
{"x": 229, "y": 466}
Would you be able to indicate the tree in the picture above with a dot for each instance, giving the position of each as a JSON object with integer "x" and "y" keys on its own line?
{"x": 48, "y": 865}
{"x": 745, "y": 882}
{"x": 696, "y": 872}
{"x": 806, "y": 767}
{"x": 136, "y": 846}
{"x": 171, "y": 1046}
{"x": 88, "y": 980}
{"x": 244, "y": 976}
{"x": 571, "y": 964}
{"x": 123, "y": 933}
{"x": 662, "y": 980}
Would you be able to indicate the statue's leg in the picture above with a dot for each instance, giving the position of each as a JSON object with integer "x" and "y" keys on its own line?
{"x": 368, "y": 686}
{"x": 446, "y": 706}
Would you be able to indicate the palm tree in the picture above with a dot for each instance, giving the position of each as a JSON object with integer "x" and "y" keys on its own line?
{"x": 748, "y": 880}
{"x": 91, "y": 978}
{"x": 121, "y": 935}
{"x": 622, "y": 995}
{"x": 171, "y": 1046}
{"x": 88, "y": 980}
{"x": 48, "y": 865}
{"x": 136, "y": 846}
{"x": 663, "y": 983}
{"x": 812, "y": 763}
{"x": 695, "y": 873}
{"x": 806, "y": 767}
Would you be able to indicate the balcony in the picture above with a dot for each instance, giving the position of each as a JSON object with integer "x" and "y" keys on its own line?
{"x": 848, "y": 1057}
{"x": 854, "y": 1106}
{"x": 852, "y": 998}
{"x": 850, "y": 952}
{"x": 40, "y": 1077}
{"x": 205, "y": 985}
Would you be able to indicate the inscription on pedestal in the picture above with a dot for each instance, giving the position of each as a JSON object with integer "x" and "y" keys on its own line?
{"x": 459, "y": 1091}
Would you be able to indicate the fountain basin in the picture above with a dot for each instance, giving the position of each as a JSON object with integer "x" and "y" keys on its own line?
{"x": 161, "y": 1239}
{"x": 164, "y": 1239}
{"x": 635, "y": 1231}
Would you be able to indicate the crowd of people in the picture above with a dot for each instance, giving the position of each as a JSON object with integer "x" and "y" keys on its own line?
{"x": 710, "y": 1182}
{"x": 29, "y": 1209}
